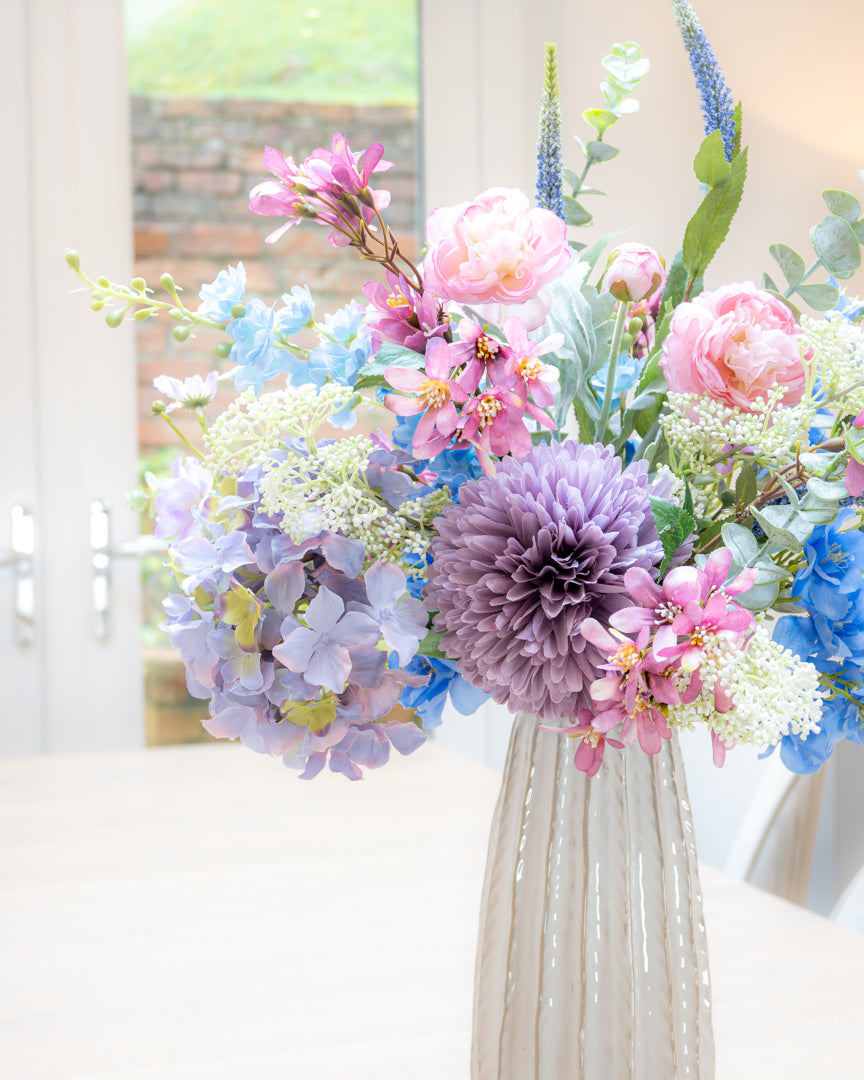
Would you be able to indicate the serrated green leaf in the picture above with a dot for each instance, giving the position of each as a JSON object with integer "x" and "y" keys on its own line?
{"x": 674, "y": 525}
{"x": 741, "y": 542}
{"x": 736, "y": 142}
{"x": 708, "y": 227}
{"x": 837, "y": 246}
{"x": 745, "y": 485}
{"x": 790, "y": 262}
{"x": 596, "y": 151}
{"x": 819, "y": 297}
{"x": 843, "y": 204}
{"x": 710, "y": 164}
{"x": 575, "y": 213}
{"x": 676, "y": 283}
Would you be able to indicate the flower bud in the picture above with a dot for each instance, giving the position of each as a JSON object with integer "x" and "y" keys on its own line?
{"x": 223, "y": 349}
{"x": 138, "y": 284}
{"x": 115, "y": 318}
{"x": 73, "y": 259}
{"x": 180, "y": 333}
{"x": 633, "y": 272}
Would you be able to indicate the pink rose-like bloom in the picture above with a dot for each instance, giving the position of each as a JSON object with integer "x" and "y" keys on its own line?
{"x": 634, "y": 272}
{"x": 735, "y": 344}
{"x": 496, "y": 250}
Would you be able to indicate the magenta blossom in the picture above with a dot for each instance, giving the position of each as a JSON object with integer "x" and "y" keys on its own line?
{"x": 493, "y": 423}
{"x": 331, "y": 187}
{"x": 403, "y": 315}
{"x": 592, "y": 744}
{"x": 532, "y": 376}
{"x": 692, "y": 607}
{"x": 435, "y": 392}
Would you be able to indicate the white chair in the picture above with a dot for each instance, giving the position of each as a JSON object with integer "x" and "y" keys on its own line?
{"x": 774, "y": 845}
{"x": 849, "y": 909}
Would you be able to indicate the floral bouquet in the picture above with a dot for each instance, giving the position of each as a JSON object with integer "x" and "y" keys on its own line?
{"x": 601, "y": 490}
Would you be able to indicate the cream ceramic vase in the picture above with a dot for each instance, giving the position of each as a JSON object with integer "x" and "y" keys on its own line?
{"x": 592, "y": 962}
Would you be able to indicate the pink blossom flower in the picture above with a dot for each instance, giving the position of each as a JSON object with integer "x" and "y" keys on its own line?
{"x": 693, "y": 606}
{"x": 331, "y": 187}
{"x": 589, "y": 753}
{"x": 405, "y": 316}
{"x": 435, "y": 393}
{"x": 496, "y": 250}
{"x": 634, "y": 272}
{"x": 735, "y": 344}
{"x": 493, "y": 422}
{"x": 532, "y": 376}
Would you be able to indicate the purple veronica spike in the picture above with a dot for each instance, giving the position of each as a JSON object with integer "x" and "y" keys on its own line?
{"x": 525, "y": 557}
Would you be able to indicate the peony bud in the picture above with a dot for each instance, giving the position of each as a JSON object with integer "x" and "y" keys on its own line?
{"x": 634, "y": 272}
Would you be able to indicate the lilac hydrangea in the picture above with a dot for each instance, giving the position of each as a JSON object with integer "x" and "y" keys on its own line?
{"x": 525, "y": 557}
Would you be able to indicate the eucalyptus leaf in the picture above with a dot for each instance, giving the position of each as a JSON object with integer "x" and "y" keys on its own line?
{"x": 708, "y": 227}
{"x": 819, "y": 297}
{"x": 837, "y": 246}
{"x": 827, "y": 490}
{"x": 599, "y": 151}
{"x": 759, "y": 597}
{"x": 790, "y": 262}
{"x": 858, "y": 229}
{"x": 599, "y": 119}
{"x": 855, "y": 443}
{"x": 575, "y": 213}
{"x": 741, "y": 542}
{"x": 843, "y": 204}
{"x": 769, "y": 283}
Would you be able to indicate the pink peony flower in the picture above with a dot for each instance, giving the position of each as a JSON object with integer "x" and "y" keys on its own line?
{"x": 735, "y": 344}
{"x": 496, "y": 250}
{"x": 634, "y": 272}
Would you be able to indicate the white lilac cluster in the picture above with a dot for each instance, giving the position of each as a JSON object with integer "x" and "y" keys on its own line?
{"x": 700, "y": 429}
{"x": 253, "y": 426}
{"x": 326, "y": 487}
{"x": 773, "y": 692}
{"x": 838, "y": 352}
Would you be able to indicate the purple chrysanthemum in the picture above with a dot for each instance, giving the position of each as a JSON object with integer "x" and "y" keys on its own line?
{"x": 525, "y": 557}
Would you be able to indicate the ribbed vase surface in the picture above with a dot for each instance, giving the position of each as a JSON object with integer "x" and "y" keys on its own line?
{"x": 592, "y": 962}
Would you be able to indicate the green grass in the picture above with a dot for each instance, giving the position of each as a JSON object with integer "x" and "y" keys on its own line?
{"x": 358, "y": 52}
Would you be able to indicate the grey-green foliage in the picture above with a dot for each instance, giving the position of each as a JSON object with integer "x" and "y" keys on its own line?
{"x": 836, "y": 242}
{"x": 625, "y": 68}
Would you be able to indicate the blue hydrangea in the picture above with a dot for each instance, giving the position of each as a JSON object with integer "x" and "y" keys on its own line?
{"x": 841, "y": 719}
{"x": 223, "y": 294}
{"x": 452, "y": 467}
{"x": 445, "y": 681}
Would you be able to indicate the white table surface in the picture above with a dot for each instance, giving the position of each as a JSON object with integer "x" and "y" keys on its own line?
{"x": 198, "y": 913}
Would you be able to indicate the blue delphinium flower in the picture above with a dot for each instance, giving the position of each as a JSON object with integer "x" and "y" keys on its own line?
{"x": 223, "y": 294}
{"x": 256, "y": 335}
{"x": 850, "y": 309}
{"x": 841, "y": 719}
{"x": 717, "y": 105}
{"x": 452, "y": 467}
{"x": 626, "y": 375}
{"x": 346, "y": 343}
{"x": 444, "y": 681}
{"x": 549, "y": 142}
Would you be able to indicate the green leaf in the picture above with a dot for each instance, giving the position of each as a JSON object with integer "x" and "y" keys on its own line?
{"x": 710, "y": 164}
{"x": 769, "y": 283}
{"x": 837, "y": 246}
{"x": 570, "y": 176}
{"x": 855, "y": 443}
{"x": 431, "y": 644}
{"x": 599, "y": 151}
{"x": 674, "y": 525}
{"x": 736, "y": 143}
{"x": 826, "y": 490}
{"x": 584, "y": 320}
{"x": 372, "y": 374}
{"x": 759, "y": 597}
{"x": 858, "y": 228}
{"x": 843, "y": 204}
{"x": 708, "y": 227}
{"x": 745, "y": 485}
{"x": 819, "y": 297}
{"x": 316, "y": 715}
{"x": 575, "y": 213}
{"x": 741, "y": 542}
{"x": 600, "y": 119}
{"x": 790, "y": 262}
{"x": 591, "y": 254}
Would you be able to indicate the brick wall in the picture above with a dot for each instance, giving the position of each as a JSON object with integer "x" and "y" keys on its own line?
{"x": 194, "y": 163}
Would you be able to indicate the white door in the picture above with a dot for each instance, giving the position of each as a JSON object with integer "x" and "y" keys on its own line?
{"x": 69, "y": 679}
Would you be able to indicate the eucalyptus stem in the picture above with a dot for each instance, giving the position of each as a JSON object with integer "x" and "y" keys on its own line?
{"x": 807, "y": 274}
{"x": 614, "y": 350}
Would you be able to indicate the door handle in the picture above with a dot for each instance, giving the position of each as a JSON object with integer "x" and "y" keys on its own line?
{"x": 103, "y": 552}
{"x": 20, "y": 560}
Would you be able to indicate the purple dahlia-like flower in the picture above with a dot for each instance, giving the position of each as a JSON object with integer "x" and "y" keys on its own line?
{"x": 524, "y": 557}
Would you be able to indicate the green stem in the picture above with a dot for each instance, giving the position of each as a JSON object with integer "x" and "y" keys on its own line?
{"x": 810, "y": 271}
{"x": 180, "y": 434}
{"x": 614, "y": 350}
